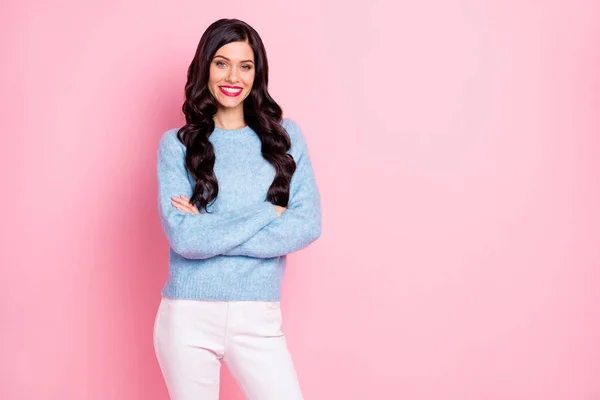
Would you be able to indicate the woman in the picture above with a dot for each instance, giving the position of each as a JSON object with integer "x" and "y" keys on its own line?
{"x": 236, "y": 194}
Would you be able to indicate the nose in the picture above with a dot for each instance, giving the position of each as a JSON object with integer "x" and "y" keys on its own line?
{"x": 232, "y": 75}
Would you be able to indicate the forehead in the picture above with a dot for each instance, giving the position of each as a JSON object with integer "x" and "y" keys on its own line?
{"x": 236, "y": 51}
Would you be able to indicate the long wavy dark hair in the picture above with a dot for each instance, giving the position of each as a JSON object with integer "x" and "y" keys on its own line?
{"x": 261, "y": 113}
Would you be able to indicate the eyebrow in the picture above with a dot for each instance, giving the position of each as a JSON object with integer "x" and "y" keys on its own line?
{"x": 230, "y": 60}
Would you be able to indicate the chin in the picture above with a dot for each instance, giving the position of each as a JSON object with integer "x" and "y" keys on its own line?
{"x": 230, "y": 104}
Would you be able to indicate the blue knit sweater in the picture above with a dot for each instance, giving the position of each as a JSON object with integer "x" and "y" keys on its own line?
{"x": 238, "y": 250}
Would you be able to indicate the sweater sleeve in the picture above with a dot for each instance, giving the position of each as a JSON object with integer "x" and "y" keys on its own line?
{"x": 300, "y": 224}
{"x": 204, "y": 235}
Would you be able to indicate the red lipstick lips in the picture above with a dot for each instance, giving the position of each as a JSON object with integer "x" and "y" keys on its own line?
{"x": 231, "y": 91}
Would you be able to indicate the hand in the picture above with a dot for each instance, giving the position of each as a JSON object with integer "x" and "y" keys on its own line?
{"x": 279, "y": 210}
{"x": 182, "y": 203}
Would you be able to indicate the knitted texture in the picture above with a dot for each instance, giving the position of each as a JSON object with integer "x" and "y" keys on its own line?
{"x": 238, "y": 250}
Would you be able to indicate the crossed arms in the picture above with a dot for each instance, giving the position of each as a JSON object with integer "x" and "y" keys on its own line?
{"x": 255, "y": 231}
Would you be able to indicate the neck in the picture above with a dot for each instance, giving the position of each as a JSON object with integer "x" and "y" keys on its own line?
{"x": 230, "y": 118}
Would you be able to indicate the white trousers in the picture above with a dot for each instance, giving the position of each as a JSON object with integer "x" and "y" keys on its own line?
{"x": 193, "y": 337}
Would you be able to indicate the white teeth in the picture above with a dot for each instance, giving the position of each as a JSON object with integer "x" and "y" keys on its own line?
{"x": 230, "y": 90}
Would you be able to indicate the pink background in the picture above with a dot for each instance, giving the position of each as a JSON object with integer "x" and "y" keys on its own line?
{"x": 456, "y": 148}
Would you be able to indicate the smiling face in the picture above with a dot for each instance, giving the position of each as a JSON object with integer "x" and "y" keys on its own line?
{"x": 232, "y": 74}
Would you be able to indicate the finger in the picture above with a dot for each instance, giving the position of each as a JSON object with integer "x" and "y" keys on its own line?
{"x": 179, "y": 206}
{"x": 178, "y": 200}
{"x": 192, "y": 207}
{"x": 184, "y": 204}
{"x": 176, "y": 205}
